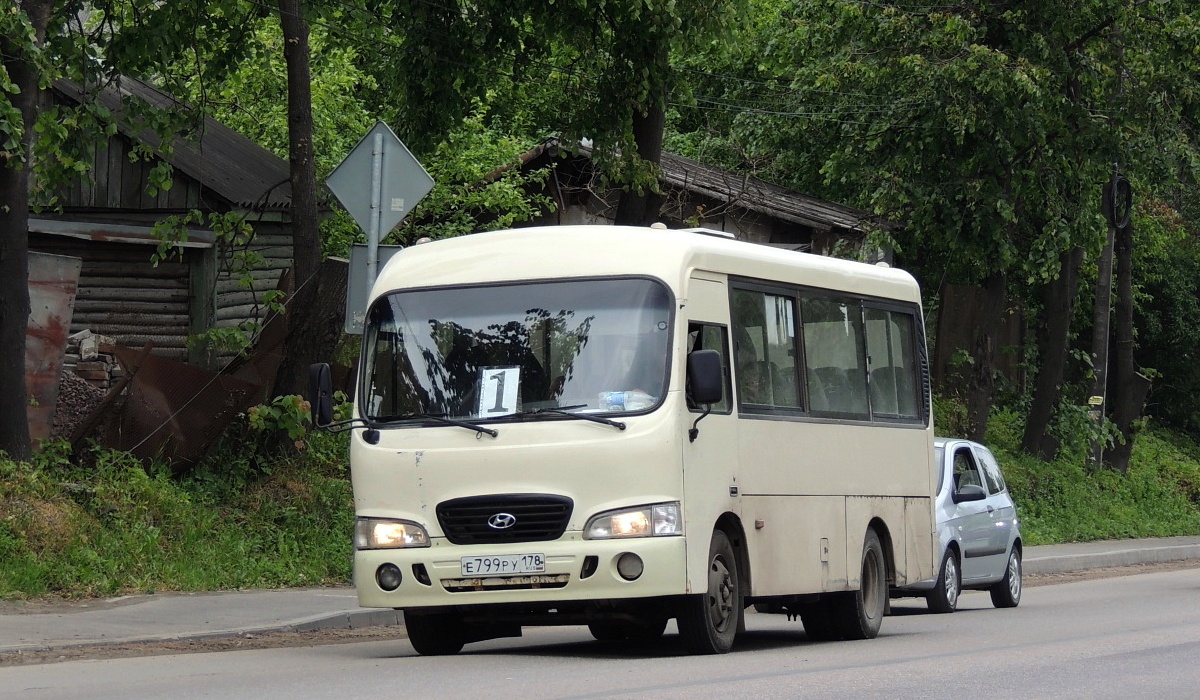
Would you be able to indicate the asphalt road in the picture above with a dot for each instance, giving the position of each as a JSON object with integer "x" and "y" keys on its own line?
{"x": 1131, "y": 636}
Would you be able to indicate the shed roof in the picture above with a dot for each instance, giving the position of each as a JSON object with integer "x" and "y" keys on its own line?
{"x": 746, "y": 191}
{"x": 223, "y": 160}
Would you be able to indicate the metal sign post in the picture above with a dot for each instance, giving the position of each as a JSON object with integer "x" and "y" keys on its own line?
{"x": 378, "y": 182}
{"x": 376, "y": 198}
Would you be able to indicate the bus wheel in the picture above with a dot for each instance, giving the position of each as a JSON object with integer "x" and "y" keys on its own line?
{"x": 434, "y": 634}
{"x": 860, "y": 612}
{"x": 709, "y": 622}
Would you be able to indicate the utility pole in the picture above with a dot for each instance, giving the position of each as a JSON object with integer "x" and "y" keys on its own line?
{"x": 1115, "y": 204}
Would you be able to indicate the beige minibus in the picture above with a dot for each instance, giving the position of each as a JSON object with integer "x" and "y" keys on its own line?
{"x": 619, "y": 426}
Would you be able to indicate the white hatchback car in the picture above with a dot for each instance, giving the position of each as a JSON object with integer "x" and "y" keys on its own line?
{"x": 979, "y": 542}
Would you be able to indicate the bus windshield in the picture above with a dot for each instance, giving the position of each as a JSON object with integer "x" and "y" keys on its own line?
{"x": 592, "y": 346}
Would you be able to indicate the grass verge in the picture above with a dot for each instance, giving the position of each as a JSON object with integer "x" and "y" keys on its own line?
{"x": 1067, "y": 500}
{"x": 116, "y": 527}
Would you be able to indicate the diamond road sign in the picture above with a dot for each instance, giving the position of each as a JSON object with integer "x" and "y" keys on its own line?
{"x": 402, "y": 182}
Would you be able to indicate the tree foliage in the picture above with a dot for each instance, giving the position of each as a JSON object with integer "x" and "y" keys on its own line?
{"x": 575, "y": 68}
{"x": 985, "y": 129}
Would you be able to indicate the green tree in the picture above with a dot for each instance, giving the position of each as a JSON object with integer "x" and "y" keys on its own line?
{"x": 475, "y": 188}
{"x": 1168, "y": 307}
{"x": 985, "y": 129}
{"x": 583, "y": 69}
{"x": 22, "y": 45}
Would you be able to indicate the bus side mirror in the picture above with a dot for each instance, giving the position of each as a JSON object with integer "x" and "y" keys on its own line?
{"x": 320, "y": 394}
{"x": 706, "y": 383}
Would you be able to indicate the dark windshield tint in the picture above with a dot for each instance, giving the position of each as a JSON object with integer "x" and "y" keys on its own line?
{"x": 491, "y": 351}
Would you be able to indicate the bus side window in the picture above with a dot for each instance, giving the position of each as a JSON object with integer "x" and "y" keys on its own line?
{"x": 835, "y": 356}
{"x": 764, "y": 327}
{"x": 893, "y": 362}
{"x": 705, "y": 336}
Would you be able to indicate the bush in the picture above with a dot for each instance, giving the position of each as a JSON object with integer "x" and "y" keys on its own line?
{"x": 1067, "y": 501}
{"x": 117, "y": 527}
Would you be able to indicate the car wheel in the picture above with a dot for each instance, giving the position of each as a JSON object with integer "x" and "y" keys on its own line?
{"x": 859, "y": 614}
{"x": 435, "y": 634}
{"x": 1007, "y": 592}
{"x": 944, "y": 596}
{"x": 709, "y": 622}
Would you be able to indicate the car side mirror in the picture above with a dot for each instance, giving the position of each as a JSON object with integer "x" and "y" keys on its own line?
{"x": 970, "y": 492}
{"x": 704, "y": 376}
{"x": 320, "y": 394}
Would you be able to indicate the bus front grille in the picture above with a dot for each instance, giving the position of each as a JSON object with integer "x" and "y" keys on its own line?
{"x": 504, "y": 518}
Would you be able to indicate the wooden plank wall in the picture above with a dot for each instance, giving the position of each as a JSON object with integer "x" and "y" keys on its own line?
{"x": 120, "y": 184}
{"x": 235, "y": 302}
{"x": 123, "y": 296}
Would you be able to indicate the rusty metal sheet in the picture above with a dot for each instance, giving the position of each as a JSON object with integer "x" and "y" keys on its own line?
{"x": 53, "y": 282}
{"x": 174, "y": 411}
{"x": 170, "y": 410}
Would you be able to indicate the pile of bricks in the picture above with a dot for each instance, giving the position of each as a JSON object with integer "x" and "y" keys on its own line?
{"x": 90, "y": 357}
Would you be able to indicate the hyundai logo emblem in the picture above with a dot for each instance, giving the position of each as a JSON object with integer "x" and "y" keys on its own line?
{"x": 502, "y": 521}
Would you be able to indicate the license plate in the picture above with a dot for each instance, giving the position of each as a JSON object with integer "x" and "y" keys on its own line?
{"x": 503, "y": 565}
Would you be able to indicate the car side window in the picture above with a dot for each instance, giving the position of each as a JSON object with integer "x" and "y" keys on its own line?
{"x": 966, "y": 473}
{"x": 991, "y": 471}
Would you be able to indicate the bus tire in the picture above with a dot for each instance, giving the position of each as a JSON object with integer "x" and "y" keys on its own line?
{"x": 709, "y": 622}
{"x": 861, "y": 612}
{"x": 435, "y": 634}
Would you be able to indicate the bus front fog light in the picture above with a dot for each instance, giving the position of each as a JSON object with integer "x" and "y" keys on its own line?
{"x": 388, "y": 576}
{"x": 629, "y": 566}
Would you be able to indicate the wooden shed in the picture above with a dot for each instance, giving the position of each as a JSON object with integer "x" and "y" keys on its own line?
{"x": 106, "y": 220}
{"x": 697, "y": 194}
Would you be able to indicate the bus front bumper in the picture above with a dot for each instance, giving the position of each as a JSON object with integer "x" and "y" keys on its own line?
{"x": 574, "y": 570}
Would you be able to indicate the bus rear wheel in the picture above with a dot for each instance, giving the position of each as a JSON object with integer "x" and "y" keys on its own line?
{"x": 435, "y": 634}
{"x": 709, "y": 622}
{"x": 860, "y": 613}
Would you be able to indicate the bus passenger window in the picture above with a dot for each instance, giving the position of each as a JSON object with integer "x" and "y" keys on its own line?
{"x": 836, "y": 360}
{"x": 765, "y": 349}
{"x": 893, "y": 363}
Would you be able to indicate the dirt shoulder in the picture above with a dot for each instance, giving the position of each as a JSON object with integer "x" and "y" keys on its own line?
{"x": 276, "y": 640}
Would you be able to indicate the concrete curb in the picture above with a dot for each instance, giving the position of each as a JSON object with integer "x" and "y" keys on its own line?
{"x": 1063, "y": 562}
{"x": 359, "y": 619}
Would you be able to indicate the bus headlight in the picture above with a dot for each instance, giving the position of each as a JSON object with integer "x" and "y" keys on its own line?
{"x": 384, "y": 533}
{"x": 657, "y": 520}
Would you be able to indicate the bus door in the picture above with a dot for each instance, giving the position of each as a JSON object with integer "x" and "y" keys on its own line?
{"x": 710, "y": 462}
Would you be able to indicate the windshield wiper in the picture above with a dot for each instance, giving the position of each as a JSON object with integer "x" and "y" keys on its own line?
{"x": 437, "y": 417}
{"x": 566, "y": 411}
